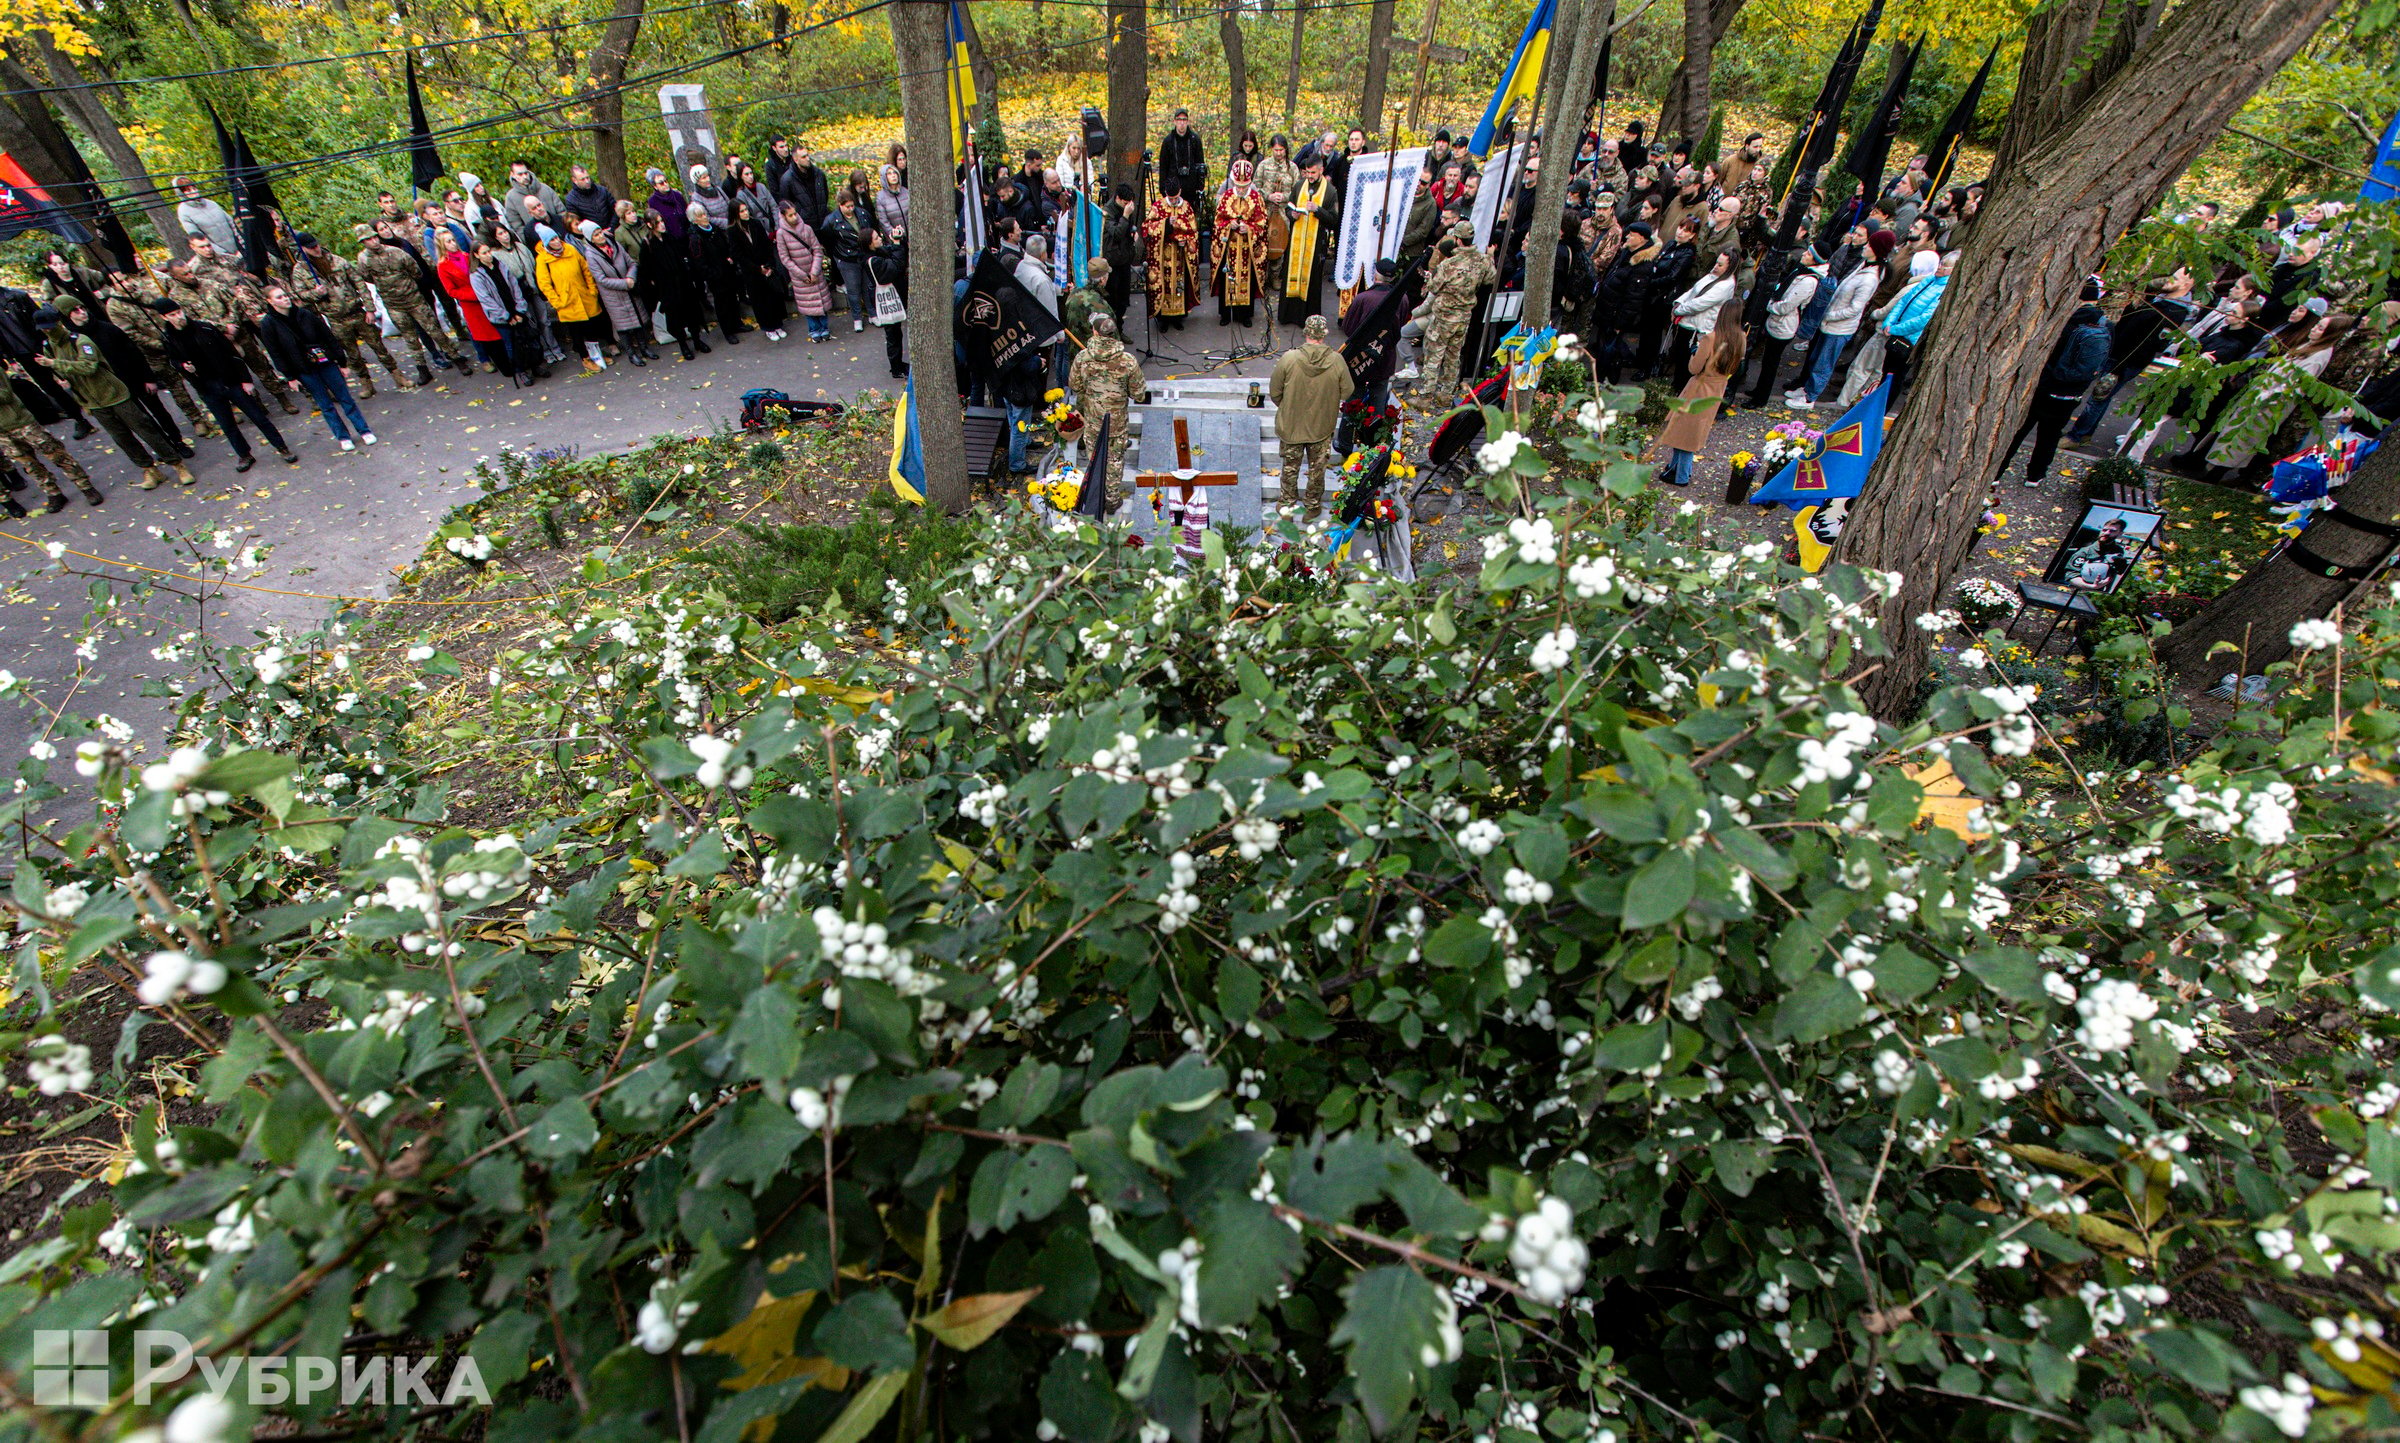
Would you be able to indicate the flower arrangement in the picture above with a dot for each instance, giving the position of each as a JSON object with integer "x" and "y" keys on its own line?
{"x": 1983, "y": 603}
{"x": 1063, "y": 418}
{"x": 1061, "y": 487}
{"x": 1789, "y": 441}
{"x": 1370, "y": 425}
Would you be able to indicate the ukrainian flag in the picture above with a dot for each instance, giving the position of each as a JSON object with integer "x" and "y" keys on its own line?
{"x": 908, "y": 449}
{"x": 1520, "y": 80}
{"x": 962, "y": 81}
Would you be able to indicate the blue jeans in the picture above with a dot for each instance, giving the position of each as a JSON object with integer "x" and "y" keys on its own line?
{"x": 1017, "y": 415}
{"x": 2095, "y": 409}
{"x": 817, "y": 326}
{"x": 333, "y": 398}
{"x": 1682, "y": 468}
{"x": 1823, "y": 360}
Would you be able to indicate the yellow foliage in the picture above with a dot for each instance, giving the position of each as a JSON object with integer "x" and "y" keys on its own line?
{"x": 62, "y": 18}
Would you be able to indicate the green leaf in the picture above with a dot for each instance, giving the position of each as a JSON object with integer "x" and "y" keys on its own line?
{"x": 1820, "y": 1006}
{"x": 1462, "y": 941}
{"x": 1632, "y": 1046}
{"x": 503, "y": 1347}
{"x": 243, "y": 773}
{"x": 867, "y": 1333}
{"x": 866, "y": 1409}
{"x": 1239, "y": 990}
{"x": 1902, "y": 976}
{"x": 1393, "y": 1317}
{"x": 2192, "y": 1356}
{"x": 1248, "y": 1253}
{"x": 566, "y": 1130}
{"x": 2010, "y": 971}
{"x": 1076, "y": 1395}
{"x": 1741, "y": 1163}
{"x": 1660, "y": 890}
{"x": 1035, "y": 1186}
{"x": 767, "y": 1034}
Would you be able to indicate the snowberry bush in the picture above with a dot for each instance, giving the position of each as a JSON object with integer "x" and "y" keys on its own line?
{"x": 1128, "y": 1007}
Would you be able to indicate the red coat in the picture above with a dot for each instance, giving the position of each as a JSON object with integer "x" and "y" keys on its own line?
{"x": 457, "y": 276}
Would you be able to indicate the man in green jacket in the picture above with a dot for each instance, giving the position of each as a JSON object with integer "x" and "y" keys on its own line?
{"x": 26, "y": 445}
{"x": 76, "y": 360}
{"x": 1308, "y": 387}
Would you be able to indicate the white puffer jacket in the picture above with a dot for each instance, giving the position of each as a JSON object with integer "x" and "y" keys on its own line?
{"x": 1696, "y": 309}
{"x": 1849, "y": 304}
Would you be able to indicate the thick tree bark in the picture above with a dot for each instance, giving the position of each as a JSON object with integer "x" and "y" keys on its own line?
{"x": 2257, "y": 613}
{"x": 1237, "y": 70}
{"x": 979, "y": 64}
{"x": 84, "y": 106}
{"x": 1379, "y": 67}
{"x": 609, "y": 61}
{"x": 1128, "y": 94}
{"x": 1291, "y": 70}
{"x": 33, "y": 136}
{"x": 919, "y": 42}
{"x": 2079, "y": 180}
{"x": 1583, "y": 23}
{"x": 1689, "y": 92}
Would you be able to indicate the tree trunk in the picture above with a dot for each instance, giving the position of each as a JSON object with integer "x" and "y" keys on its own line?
{"x": 919, "y": 42}
{"x": 1237, "y": 70}
{"x": 2080, "y": 179}
{"x": 1379, "y": 68}
{"x": 2257, "y": 613}
{"x": 1416, "y": 97}
{"x": 1684, "y": 113}
{"x": 979, "y": 65}
{"x": 1587, "y": 22}
{"x": 1291, "y": 70}
{"x": 32, "y": 135}
{"x": 84, "y": 106}
{"x": 1128, "y": 94}
{"x": 609, "y": 61}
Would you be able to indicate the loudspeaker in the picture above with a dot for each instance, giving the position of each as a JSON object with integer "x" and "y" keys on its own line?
{"x": 1095, "y": 134}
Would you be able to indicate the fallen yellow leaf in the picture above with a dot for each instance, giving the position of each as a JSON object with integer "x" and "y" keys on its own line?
{"x": 1947, "y": 802}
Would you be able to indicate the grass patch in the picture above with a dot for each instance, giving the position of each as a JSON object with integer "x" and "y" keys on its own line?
{"x": 781, "y": 571}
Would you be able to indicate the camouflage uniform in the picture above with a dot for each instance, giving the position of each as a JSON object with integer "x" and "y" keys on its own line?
{"x": 229, "y": 296}
{"x": 1081, "y": 305}
{"x": 393, "y": 273}
{"x": 331, "y": 285}
{"x": 1449, "y": 306}
{"x": 131, "y": 314}
{"x": 27, "y": 445}
{"x": 1105, "y": 379}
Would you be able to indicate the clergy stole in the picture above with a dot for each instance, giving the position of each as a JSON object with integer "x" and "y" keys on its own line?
{"x": 1300, "y": 256}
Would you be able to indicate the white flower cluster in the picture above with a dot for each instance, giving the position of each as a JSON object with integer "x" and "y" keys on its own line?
{"x": 470, "y": 548}
{"x": 176, "y": 774}
{"x": 2012, "y": 733}
{"x": 863, "y": 949}
{"x": 2341, "y": 1338}
{"x": 1693, "y": 1000}
{"x": 2315, "y": 634}
{"x": 1832, "y": 758}
{"x": 1892, "y": 1071}
{"x": 1453, "y": 1342}
{"x": 1937, "y": 621}
{"x": 62, "y": 1066}
{"x": 2286, "y": 1407}
{"x": 813, "y": 1109}
{"x": 1537, "y": 540}
{"x": 981, "y": 804}
{"x": 1254, "y": 837}
{"x": 233, "y": 1232}
{"x": 1856, "y": 966}
{"x": 713, "y": 752}
{"x": 1480, "y": 837}
{"x": 167, "y": 976}
{"x": 1547, "y": 1255}
{"x": 65, "y": 900}
{"x": 2010, "y": 1081}
{"x": 1495, "y": 456}
{"x": 271, "y": 664}
{"x": 2110, "y": 1008}
{"x": 660, "y": 1322}
{"x": 1179, "y": 902}
{"x": 1555, "y": 651}
{"x": 1591, "y": 576}
{"x": 478, "y": 884}
{"x": 1523, "y": 889}
{"x": 1181, "y": 1264}
{"x": 1593, "y": 419}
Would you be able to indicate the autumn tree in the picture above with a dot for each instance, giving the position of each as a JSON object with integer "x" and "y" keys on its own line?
{"x": 1689, "y": 92}
{"x": 1583, "y": 23}
{"x": 1237, "y": 67}
{"x": 1379, "y": 67}
{"x": 2112, "y": 103}
{"x": 920, "y": 41}
{"x": 609, "y": 60}
{"x": 1128, "y": 89}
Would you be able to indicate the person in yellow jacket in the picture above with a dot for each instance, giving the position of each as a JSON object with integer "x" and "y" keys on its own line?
{"x": 559, "y": 269}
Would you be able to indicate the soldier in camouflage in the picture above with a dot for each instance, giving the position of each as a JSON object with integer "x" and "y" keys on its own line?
{"x": 126, "y": 304}
{"x": 331, "y": 285}
{"x": 230, "y": 300}
{"x": 1105, "y": 379}
{"x": 393, "y": 273}
{"x": 26, "y": 445}
{"x": 1086, "y": 301}
{"x": 1449, "y": 306}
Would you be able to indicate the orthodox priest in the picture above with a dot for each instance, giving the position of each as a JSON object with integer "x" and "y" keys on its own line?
{"x": 1241, "y": 248}
{"x": 1172, "y": 237}
{"x": 1315, "y": 209}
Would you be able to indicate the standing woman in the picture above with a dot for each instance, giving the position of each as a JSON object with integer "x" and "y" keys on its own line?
{"x": 1241, "y": 247}
{"x": 715, "y": 272}
{"x": 803, "y": 257}
{"x": 749, "y": 191}
{"x": 1245, "y": 149}
{"x": 860, "y": 187}
{"x": 891, "y": 202}
{"x": 612, "y": 268}
{"x": 1697, "y": 308}
{"x": 763, "y": 279}
{"x": 566, "y": 281}
{"x": 846, "y": 235}
{"x": 507, "y": 308}
{"x": 668, "y": 204}
{"x": 456, "y": 272}
{"x": 888, "y": 262}
{"x": 1716, "y": 360}
{"x": 896, "y": 159}
{"x": 666, "y": 278}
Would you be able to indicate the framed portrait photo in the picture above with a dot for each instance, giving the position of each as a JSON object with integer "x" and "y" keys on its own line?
{"x": 2103, "y": 546}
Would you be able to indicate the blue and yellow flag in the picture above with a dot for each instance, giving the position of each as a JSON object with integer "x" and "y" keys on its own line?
{"x": 961, "y": 81}
{"x": 1838, "y": 465}
{"x": 908, "y": 448}
{"x": 2383, "y": 178}
{"x": 1520, "y": 80}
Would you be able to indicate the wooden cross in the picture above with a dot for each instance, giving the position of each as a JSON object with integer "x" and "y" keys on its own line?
{"x": 1183, "y": 478}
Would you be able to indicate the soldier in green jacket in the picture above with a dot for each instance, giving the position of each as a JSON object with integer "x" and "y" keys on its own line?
{"x": 27, "y": 446}
{"x": 76, "y": 360}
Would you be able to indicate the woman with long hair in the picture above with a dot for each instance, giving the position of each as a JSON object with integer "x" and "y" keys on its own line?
{"x": 749, "y": 190}
{"x": 763, "y": 278}
{"x": 1716, "y": 360}
{"x": 666, "y": 275}
{"x": 2268, "y": 406}
{"x": 715, "y": 272}
{"x": 507, "y": 307}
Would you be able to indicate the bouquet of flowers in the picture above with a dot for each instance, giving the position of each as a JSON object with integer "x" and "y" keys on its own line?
{"x": 1061, "y": 487}
{"x": 1983, "y": 603}
{"x": 1063, "y": 418}
{"x": 1370, "y": 425}
{"x": 1788, "y": 441}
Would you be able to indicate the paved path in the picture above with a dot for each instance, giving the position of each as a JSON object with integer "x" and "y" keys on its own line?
{"x": 339, "y": 524}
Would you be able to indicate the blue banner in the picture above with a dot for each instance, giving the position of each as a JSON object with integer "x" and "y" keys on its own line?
{"x": 2384, "y": 183}
{"x": 1838, "y": 465}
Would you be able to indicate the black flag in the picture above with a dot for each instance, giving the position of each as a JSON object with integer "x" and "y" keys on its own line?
{"x": 1942, "y": 155}
{"x": 1815, "y": 147}
{"x": 1871, "y": 148}
{"x": 424, "y": 162}
{"x": 25, "y": 206}
{"x": 1366, "y": 349}
{"x": 1002, "y": 323}
{"x": 1092, "y": 500}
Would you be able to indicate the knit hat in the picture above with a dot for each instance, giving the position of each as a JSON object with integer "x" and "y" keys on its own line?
{"x": 543, "y": 233}
{"x": 1880, "y": 243}
{"x": 47, "y": 317}
{"x": 1313, "y": 328}
{"x": 654, "y": 175}
{"x": 1386, "y": 268}
{"x": 590, "y": 230}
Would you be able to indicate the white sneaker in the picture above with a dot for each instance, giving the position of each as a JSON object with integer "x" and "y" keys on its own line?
{"x": 1405, "y": 373}
{"x": 857, "y": 325}
{"x": 1800, "y": 405}
{"x": 348, "y": 444}
{"x": 367, "y": 438}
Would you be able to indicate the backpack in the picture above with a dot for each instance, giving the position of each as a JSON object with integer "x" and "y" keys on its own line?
{"x": 2082, "y": 355}
{"x": 767, "y": 406}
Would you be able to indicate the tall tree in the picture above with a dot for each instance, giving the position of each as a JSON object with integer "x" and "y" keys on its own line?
{"x": 979, "y": 63}
{"x": 1379, "y": 67}
{"x": 84, "y": 104}
{"x": 921, "y": 45}
{"x": 2111, "y": 105}
{"x": 1237, "y": 69}
{"x": 1291, "y": 70}
{"x": 31, "y": 134}
{"x": 1128, "y": 93}
{"x": 609, "y": 61}
{"x": 1586, "y": 21}
{"x": 1685, "y": 111}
